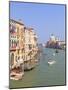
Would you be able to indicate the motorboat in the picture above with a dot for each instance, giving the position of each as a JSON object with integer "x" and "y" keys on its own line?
{"x": 56, "y": 51}
{"x": 50, "y": 62}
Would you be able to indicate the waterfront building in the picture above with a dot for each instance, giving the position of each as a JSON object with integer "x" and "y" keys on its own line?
{"x": 62, "y": 44}
{"x": 31, "y": 48}
{"x": 16, "y": 48}
{"x": 54, "y": 42}
{"x": 23, "y": 49}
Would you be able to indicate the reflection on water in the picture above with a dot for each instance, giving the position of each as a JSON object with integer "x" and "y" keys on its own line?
{"x": 44, "y": 74}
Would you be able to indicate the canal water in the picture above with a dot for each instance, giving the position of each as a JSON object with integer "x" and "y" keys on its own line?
{"x": 44, "y": 74}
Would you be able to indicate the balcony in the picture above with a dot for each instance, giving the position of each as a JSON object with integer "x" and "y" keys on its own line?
{"x": 13, "y": 48}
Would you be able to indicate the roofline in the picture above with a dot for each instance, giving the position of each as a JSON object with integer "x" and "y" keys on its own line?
{"x": 16, "y": 21}
{"x": 29, "y": 28}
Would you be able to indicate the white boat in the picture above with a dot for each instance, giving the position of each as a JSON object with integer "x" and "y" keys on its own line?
{"x": 51, "y": 62}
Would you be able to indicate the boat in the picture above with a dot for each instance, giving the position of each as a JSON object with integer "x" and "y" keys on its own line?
{"x": 50, "y": 62}
{"x": 56, "y": 51}
{"x": 16, "y": 75}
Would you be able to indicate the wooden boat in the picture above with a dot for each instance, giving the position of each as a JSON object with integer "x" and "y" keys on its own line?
{"x": 16, "y": 76}
{"x": 16, "y": 73}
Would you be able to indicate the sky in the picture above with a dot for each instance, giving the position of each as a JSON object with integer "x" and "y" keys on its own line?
{"x": 46, "y": 19}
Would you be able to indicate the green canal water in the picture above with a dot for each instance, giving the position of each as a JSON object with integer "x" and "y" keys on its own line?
{"x": 44, "y": 74}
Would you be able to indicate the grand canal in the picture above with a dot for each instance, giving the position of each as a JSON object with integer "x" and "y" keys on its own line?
{"x": 44, "y": 74}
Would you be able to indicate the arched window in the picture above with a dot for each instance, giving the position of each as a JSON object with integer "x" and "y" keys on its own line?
{"x": 16, "y": 58}
{"x": 12, "y": 59}
{"x": 18, "y": 43}
{"x": 12, "y": 43}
